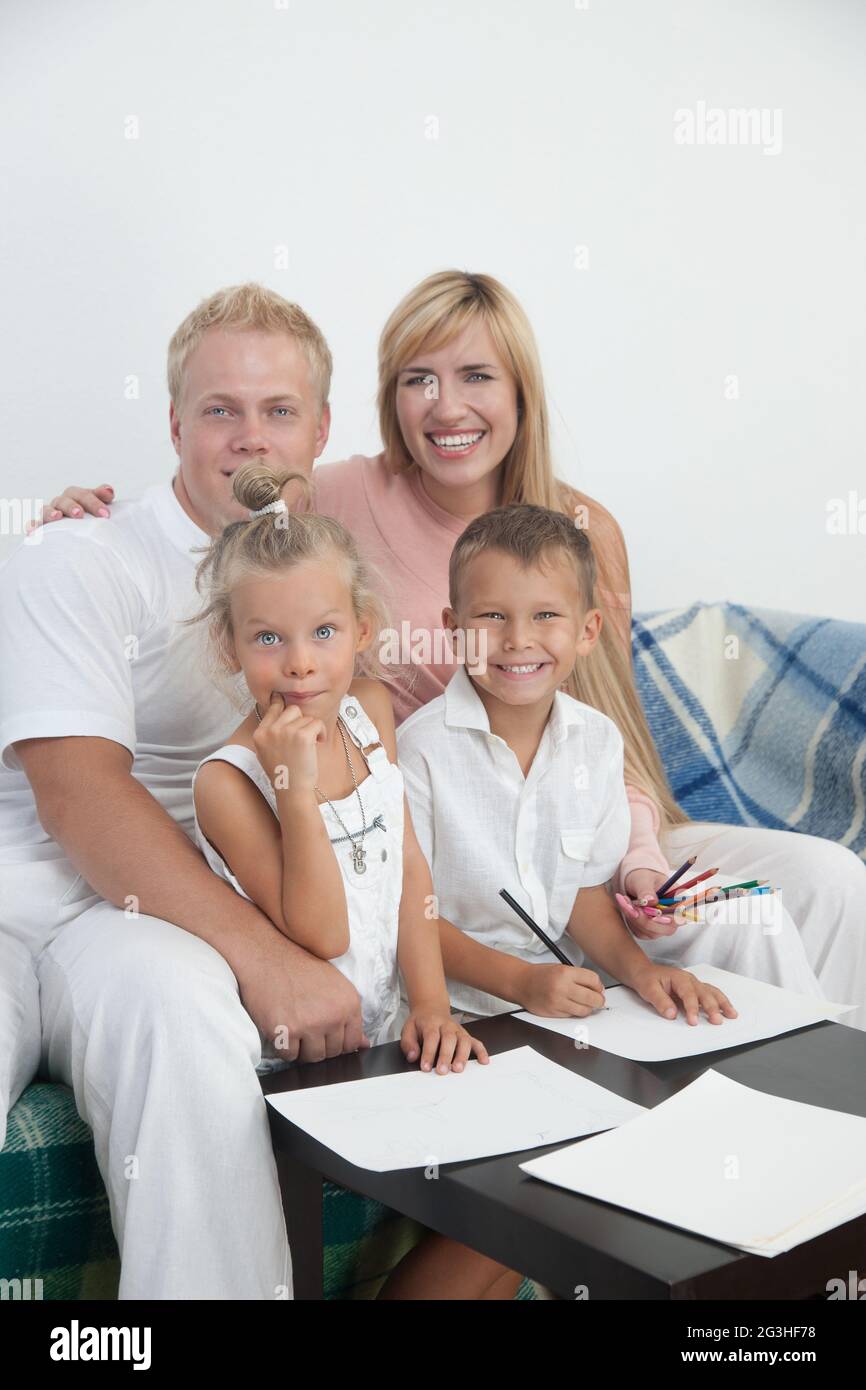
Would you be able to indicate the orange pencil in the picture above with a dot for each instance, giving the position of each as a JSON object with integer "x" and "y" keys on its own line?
{"x": 681, "y": 887}
{"x": 713, "y": 894}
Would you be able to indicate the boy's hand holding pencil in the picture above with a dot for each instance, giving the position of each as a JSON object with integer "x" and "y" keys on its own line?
{"x": 556, "y": 991}
{"x": 561, "y": 991}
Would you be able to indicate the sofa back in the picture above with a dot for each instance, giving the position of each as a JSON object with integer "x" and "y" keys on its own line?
{"x": 759, "y": 716}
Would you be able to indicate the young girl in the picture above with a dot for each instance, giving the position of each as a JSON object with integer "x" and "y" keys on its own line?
{"x": 303, "y": 810}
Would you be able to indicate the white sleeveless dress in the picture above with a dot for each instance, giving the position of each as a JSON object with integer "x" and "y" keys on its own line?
{"x": 372, "y": 897}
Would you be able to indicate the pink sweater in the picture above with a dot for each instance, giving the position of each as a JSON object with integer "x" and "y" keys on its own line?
{"x": 408, "y": 539}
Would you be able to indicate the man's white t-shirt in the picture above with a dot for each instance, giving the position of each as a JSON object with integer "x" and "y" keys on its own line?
{"x": 90, "y": 645}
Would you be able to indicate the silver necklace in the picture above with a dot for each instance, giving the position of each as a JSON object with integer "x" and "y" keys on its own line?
{"x": 359, "y": 854}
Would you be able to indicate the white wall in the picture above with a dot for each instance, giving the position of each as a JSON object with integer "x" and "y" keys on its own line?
{"x": 308, "y": 126}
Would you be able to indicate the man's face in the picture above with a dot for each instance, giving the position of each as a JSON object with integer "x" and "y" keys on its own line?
{"x": 246, "y": 395}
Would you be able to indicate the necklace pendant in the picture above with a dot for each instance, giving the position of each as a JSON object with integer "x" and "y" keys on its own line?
{"x": 359, "y": 854}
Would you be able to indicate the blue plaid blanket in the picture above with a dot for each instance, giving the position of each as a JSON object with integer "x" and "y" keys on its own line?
{"x": 759, "y": 716}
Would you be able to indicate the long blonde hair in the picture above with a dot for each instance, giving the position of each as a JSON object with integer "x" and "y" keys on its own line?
{"x": 432, "y": 314}
{"x": 271, "y": 544}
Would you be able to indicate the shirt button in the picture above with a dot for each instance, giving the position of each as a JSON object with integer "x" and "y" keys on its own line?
{"x": 351, "y": 711}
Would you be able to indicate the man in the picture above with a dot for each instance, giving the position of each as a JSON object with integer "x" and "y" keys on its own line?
{"x": 158, "y": 982}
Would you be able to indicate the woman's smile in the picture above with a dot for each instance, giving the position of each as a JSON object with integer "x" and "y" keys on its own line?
{"x": 451, "y": 444}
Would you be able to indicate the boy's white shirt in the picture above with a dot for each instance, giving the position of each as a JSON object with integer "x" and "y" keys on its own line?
{"x": 483, "y": 827}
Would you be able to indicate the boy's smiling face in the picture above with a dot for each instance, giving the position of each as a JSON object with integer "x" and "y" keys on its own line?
{"x": 532, "y": 623}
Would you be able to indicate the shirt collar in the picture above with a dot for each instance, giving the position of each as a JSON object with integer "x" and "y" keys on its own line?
{"x": 464, "y": 708}
{"x": 182, "y": 531}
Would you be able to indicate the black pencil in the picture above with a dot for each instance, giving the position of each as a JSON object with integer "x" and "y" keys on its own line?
{"x": 542, "y": 936}
{"x": 669, "y": 882}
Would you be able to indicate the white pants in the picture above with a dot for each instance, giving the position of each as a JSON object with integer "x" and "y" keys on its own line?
{"x": 144, "y": 1022}
{"x": 821, "y": 922}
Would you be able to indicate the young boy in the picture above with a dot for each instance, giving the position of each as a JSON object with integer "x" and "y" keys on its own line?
{"x": 513, "y": 784}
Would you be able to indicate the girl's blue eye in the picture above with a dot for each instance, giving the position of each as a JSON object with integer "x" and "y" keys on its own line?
{"x": 326, "y": 627}
{"x": 266, "y": 634}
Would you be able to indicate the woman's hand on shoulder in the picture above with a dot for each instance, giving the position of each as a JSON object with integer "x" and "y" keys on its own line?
{"x": 75, "y": 502}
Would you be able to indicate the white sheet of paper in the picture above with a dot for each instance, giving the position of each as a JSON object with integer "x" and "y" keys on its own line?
{"x": 519, "y": 1100}
{"x": 633, "y": 1029}
{"x": 728, "y": 1162}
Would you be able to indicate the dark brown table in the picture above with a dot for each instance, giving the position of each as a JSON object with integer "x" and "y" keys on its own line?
{"x": 557, "y": 1237}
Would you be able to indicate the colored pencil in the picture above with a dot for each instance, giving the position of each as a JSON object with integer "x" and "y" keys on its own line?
{"x": 713, "y": 894}
{"x": 669, "y": 882}
{"x": 753, "y": 883}
{"x": 706, "y": 901}
{"x": 683, "y": 887}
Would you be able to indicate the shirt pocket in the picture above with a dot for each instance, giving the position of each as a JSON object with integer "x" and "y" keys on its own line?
{"x": 573, "y": 851}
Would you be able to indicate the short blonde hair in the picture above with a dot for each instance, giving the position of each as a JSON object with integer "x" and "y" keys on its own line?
{"x": 532, "y": 536}
{"x": 273, "y": 544}
{"x": 253, "y": 307}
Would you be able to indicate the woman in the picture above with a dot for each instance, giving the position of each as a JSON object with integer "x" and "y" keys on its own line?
{"x": 464, "y": 427}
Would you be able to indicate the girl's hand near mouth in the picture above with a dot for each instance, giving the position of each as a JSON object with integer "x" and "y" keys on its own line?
{"x": 285, "y": 742}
